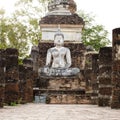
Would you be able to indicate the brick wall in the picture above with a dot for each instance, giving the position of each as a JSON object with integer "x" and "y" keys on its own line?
{"x": 116, "y": 69}
{"x": 104, "y": 78}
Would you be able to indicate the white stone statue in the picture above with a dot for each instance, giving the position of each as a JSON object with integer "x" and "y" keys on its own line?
{"x": 58, "y": 59}
{"x": 61, "y": 55}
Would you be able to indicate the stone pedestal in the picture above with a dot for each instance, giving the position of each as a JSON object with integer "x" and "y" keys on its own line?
{"x": 61, "y": 90}
{"x": 116, "y": 69}
{"x": 104, "y": 78}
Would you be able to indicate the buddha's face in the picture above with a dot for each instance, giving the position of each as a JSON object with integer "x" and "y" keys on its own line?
{"x": 59, "y": 41}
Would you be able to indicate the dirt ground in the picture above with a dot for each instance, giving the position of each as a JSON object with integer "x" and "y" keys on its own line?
{"x": 33, "y": 111}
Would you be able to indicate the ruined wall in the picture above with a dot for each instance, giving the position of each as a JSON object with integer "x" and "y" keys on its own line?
{"x": 104, "y": 78}
{"x": 2, "y": 77}
{"x": 16, "y": 82}
{"x": 116, "y": 69}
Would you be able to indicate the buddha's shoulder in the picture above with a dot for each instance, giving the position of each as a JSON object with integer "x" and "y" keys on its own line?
{"x": 51, "y": 49}
{"x": 62, "y": 48}
{"x": 66, "y": 48}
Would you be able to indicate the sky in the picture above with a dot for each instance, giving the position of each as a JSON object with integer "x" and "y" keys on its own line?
{"x": 106, "y": 11}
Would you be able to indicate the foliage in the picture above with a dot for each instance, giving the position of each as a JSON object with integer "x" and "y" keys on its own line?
{"x": 13, "y": 104}
{"x": 30, "y": 15}
{"x": 13, "y": 34}
{"x": 93, "y": 34}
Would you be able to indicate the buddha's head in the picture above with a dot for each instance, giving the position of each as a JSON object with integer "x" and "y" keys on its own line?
{"x": 59, "y": 39}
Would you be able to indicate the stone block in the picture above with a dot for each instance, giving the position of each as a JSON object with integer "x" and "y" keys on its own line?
{"x": 12, "y": 93}
{"x": 105, "y": 91}
{"x": 105, "y": 80}
{"x": 60, "y": 83}
{"x": 2, "y": 90}
{"x": 103, "y": 102}
{"x": 11, "y": 60}
{"x": 105, "y": 56}
{"x": 11, "y": 51}
{"x": 12, "y": 74}
{"x": 116, "y": 66}
{"x": 115, "y": 98}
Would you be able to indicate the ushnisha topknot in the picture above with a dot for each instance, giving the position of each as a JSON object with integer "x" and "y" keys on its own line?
{"x": 58, "y": 33}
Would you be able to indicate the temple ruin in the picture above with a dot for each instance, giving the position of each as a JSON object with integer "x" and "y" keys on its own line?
{"x": 98, "y": 82}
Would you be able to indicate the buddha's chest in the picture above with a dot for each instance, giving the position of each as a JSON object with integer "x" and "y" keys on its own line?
{"x": 56, "y": 53}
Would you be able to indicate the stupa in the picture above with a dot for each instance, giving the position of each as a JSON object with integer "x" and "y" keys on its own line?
{"x": 62, "y": 12}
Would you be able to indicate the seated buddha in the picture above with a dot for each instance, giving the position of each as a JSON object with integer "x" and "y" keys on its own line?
{"x": 58, "y": 60}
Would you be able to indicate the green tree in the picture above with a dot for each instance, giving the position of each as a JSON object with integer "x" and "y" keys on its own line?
{"x": 13, "y": 34}
{"x": 21, "y": 30}
{"x": 93, "y": 34}
{"x": 30, "y": 15}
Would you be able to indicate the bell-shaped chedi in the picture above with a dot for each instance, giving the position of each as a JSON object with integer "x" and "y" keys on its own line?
{"x": 68, "y": 6}
{"x": 62, "y": 12}
{"x": 72, "y": 6}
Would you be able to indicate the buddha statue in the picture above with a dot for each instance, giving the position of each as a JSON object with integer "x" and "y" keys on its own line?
{"x": 58, "y": 60}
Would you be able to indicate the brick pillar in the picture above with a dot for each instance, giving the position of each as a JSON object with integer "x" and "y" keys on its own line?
{"x": 89, "y": 74}
{"x": 35, "y": 56}
{"x": 116, "y": 69}
{"x": 88, "y": 70}
{"x": 2, "y": 77}
{"x": 95, "y": 71}
{"x": 105, "y": 70}
{"x": 26, "y": 81}
{"x": 12, "y": 76}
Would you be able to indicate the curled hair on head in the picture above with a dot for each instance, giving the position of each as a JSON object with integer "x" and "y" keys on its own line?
{"x": 59, "y": 34}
